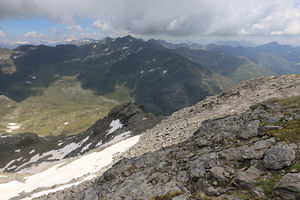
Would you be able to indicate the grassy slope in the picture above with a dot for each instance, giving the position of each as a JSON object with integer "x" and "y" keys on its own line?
{"x": 6, "y": 64}
{"x": 63, "y": 102}
{"x": 235, "y": 68}
{"x": 248, "y": 71}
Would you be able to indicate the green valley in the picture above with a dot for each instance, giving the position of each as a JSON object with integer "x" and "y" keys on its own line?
{"x": 62, "y": 108}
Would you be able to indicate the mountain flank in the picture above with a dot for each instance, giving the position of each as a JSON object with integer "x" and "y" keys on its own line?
{"x": 158, "y": 78}
{"x": 281, "y": 59}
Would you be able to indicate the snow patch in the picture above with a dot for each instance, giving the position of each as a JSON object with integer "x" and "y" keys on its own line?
{"x": 165, "y": 71}
{"x": 19, "y": 159}
{"x": 86, "y": 147}
{"x": 58, "y": 154}
{"x": 18, "y": 150}
{"x": 12, "y": 126}
{"x": 8, "y": 164}
{"x": 115, "y": 125}
{"x": 99, "y": 143}
{"x": 66, "y": 123}
{"x": 32, "y": 151}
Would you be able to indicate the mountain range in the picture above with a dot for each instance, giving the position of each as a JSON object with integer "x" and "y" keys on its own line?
{"x": 48, "y": 89}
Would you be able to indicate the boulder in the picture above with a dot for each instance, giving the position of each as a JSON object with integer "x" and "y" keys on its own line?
{"x": 289, "y": 186}
{"x": 218, "y": 173}
{"x": 198, "y": 167}
{"x": 249, "y": 129}
{"x": 257, "y": 150}
{"x": 247, "y": 179}
{"x": 279, "y": 156}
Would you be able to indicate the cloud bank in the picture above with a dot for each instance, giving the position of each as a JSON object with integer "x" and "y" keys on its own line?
{"x": 168, "y": 17}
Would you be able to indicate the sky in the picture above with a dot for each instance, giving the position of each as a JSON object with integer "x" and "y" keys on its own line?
{"x": 203, "y": 21}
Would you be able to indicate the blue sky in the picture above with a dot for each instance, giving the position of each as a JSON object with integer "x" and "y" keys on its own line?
{"x": 174, "y": 20}
{"x": 38, "y": 28}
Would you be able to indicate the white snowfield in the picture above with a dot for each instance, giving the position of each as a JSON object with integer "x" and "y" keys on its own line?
{"x": 83, "y": 168}
{"x": 58, "y": 154}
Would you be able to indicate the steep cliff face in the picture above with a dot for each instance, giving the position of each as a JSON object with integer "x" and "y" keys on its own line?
{"x": 239, "y": 144}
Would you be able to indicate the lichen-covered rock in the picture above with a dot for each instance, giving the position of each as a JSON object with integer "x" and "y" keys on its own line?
{"x": 279, "y": 156}
{"x": 289, "y": 186}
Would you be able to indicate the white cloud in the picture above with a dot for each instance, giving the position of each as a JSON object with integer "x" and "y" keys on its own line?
{"x": 20, "y": 42}
{"x": 2, "y": 34}
{"x": 102, "y": 25}
{"x": 75, "y": 28}
{"x": 33, "y": 34}
{"x": 168, "y": 17}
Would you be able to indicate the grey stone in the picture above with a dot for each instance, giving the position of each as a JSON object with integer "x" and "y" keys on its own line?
{"x": 258, "y": 192}
{"x": 257, "y": 150}
{"x": 247, "y": 179}
{"x": 289, "y": 186}
{"x": 211, "y": 191}
{"x": 279, "y": 156}
{"x": 249, "y": 130}
{"x": 218, "y": 173}
{"x": 198, "y": 167}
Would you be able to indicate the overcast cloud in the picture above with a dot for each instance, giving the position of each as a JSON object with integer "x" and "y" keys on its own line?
{"x": 168, "y": 17}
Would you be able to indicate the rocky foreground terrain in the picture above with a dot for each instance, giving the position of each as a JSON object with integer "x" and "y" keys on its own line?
{"x": 241, "y": 144}
{"x": 254, "y": 155}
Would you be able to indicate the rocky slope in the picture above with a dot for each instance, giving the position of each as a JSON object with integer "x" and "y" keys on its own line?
{"x": 229, "y": 152}
{"x": 254, "y": 155}
{"x": 182, "y": 124}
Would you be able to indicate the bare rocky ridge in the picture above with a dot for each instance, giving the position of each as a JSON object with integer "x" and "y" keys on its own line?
{"x": 183, "y": 123}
